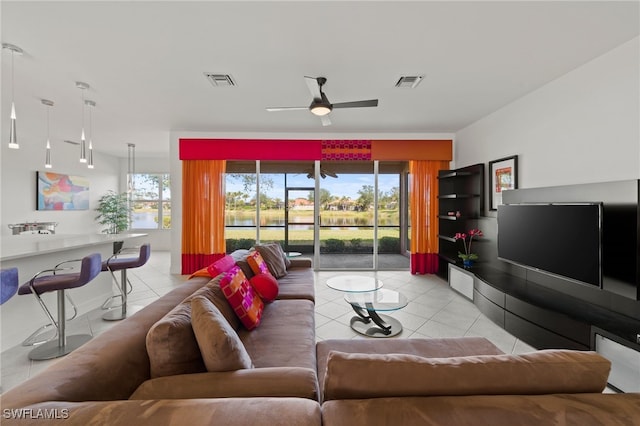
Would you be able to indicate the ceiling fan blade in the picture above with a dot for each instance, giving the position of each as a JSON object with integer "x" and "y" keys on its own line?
{"x": 330, "y": 174}
{"x": 325, "y": 120}
{"x": 272, "y": 109}
{"x": 357, "y": 104}
{"x": 314, "y": 87}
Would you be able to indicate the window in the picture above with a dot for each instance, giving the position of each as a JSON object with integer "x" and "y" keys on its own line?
{"x": 150, "y": 201}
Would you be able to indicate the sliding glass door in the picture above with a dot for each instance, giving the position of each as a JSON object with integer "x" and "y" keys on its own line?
{"x": 343, "y": 214}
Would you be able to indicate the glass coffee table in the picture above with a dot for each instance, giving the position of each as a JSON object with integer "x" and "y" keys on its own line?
{"x": 367, "y": 305}
{"x": 367, "y": 297}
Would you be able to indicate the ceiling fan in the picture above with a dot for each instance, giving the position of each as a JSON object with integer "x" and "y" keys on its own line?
{"x": 320, "y": 105}
{"x": 323, "y": 173}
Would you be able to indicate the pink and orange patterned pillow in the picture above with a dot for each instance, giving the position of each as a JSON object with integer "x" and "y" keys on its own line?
{"x": 242, "y": 297}
{"x": 257, "y": 263}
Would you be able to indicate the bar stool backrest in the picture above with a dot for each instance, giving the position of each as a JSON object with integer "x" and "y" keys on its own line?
{"x": 90, "y": 267}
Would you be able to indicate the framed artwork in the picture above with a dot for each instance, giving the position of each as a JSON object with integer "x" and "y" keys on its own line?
{"x": 61, "y": 192}
{"x": 503, "y": 175}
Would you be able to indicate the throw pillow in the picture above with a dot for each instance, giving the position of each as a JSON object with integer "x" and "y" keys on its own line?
{"x": 220, "y": 346}
{"x": 221, "y": 265}
{"x": 171, "y": 343}
{"x": 257, "y": 263}
{"x": 266, "y": 286}
{"x": 287, "y": 261}
{"x": 271, "y": 254}
{"x": 204, "y": 272}
{"x": 243, "y": 299}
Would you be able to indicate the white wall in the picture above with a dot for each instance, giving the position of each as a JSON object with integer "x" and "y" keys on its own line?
{"x": 583, "y": 127}
{"x": 18, "y": 184}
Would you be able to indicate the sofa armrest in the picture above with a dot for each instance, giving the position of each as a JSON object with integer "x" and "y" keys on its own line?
{"x": 300, "y": 262}
{"x": 252, "y": 382}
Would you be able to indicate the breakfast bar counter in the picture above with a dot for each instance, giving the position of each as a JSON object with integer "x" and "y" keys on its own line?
{"x": 21, "y": 246}
{"x": 32, "y": 253}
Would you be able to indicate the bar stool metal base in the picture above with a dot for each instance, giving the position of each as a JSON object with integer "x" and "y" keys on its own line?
{"x": 120, "y": 312}
{"x": 52, "y": 349}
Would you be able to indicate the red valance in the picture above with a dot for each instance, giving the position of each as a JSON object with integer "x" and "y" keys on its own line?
{"x": 314, "y": 149}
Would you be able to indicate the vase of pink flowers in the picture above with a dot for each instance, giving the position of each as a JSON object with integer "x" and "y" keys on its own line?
{"x": 468, "y": 257}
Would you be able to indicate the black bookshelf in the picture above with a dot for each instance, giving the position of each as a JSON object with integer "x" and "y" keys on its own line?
{"x": 460, "y": 204}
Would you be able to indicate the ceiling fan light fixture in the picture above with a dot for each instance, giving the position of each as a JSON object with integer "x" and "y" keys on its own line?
{"x": 320, "y": 109}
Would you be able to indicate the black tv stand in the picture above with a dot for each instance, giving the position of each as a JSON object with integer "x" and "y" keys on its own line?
{"x": 548, "y": 319}
{"x": 543, "y": 317}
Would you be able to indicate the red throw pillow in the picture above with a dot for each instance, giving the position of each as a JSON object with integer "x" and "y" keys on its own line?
{"x": 266, "y": 286}
{"x": 243, "y": 299}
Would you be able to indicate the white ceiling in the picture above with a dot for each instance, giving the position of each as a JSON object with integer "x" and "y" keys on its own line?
{"x": 145, "y": 62}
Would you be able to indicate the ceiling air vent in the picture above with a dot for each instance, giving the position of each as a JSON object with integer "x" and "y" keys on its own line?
{"x": 220, "y": 80}
{"x": 409, "y": 81}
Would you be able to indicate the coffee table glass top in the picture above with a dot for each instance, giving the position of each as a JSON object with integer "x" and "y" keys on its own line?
{"x": 354, "y": 283}
{"x": 380, "y": 300}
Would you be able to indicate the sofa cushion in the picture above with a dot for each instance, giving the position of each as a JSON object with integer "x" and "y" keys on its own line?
{"x": 219, "y": 344}
{"x": 265, "y": 285}
{"x": 286, "y": 336}
{"x": 247, "y": 382}
{"x": 593, "y": 409}
{"x": 257, "y": 263}
{"x": 275, "y": 411}
{"x": 299, "y": 283}
{"x": 431, "y": 348}
{"x": 273, "y": 255}
{"x": 357, "y": 376}
{"x": 171, "y": 343}
{"x": 243, "y": 299}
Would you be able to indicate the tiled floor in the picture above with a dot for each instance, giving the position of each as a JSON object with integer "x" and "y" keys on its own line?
{"x": 433, "y": 311}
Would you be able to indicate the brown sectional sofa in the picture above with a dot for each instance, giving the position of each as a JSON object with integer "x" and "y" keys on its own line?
{"x": 109, "y": 380}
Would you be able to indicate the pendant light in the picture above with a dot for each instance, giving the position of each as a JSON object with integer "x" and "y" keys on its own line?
{"x": 90, "y": 104}
{"x": 13, "y": 137}
{"x": 47, "y": 162}
{"x": 83, "y": 143}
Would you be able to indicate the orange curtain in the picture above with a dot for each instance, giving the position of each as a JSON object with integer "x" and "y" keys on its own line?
{"x": 202, "y": 213}
{"x": 424, "y": 215}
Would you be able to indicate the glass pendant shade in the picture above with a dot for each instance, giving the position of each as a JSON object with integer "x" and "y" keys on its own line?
{"x": 90, "y": 104}
{"x": 90, "y": 165}
{"x": 83, "y": 148}
{"x": 83, "y": 144}
{"x": 13, "y": 137}
{"x": 47, "y": 161}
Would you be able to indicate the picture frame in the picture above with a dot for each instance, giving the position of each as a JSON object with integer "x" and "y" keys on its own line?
{"x": 503, "y": 175}
{"x": 56, "y": 191}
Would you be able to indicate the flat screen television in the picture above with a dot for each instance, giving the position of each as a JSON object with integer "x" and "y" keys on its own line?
{"x": 564, "y": 240}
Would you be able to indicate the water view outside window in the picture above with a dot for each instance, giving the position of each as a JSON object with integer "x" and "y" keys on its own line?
{"x": 346, "y": 211}
{"x": 150, "y": 201}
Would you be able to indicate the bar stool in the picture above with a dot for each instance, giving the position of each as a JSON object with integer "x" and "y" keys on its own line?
{"x": 89, "y": 268}
{"x": 122, "y": 264}
{"x": 9, "y": 283}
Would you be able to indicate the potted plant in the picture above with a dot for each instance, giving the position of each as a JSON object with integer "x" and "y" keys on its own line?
{"x": 113, "y": 211}
{"x": 468, "y": 257}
